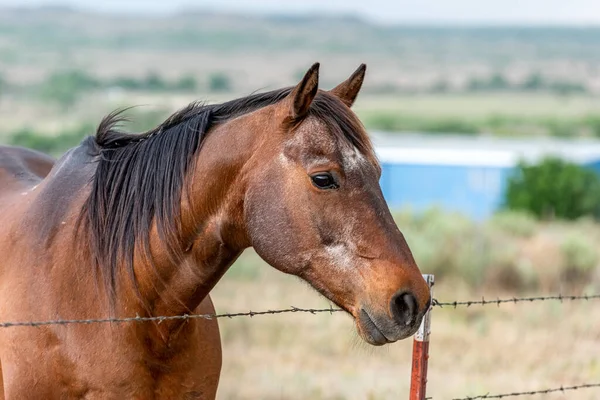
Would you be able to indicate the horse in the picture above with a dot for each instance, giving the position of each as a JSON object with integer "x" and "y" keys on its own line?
{"x": 145, "y": 224}
{"x": 26, "y": 164}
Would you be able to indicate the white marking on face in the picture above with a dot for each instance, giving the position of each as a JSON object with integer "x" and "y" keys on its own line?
{"x": 283, "y": 158}
{"x": 340, "y": 256}
{"x": 352, "y": 158}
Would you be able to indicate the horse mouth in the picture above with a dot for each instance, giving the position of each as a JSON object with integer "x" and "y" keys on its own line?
{"x": 369, "y": 330}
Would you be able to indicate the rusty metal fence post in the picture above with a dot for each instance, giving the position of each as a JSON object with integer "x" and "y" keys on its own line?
{"x": 420, "y": 356}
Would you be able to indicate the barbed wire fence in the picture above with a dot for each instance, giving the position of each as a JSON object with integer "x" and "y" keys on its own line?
{"x": 292, "y": 309}
{"x": 561, "y": 389}
{"x": 447, "y": 305}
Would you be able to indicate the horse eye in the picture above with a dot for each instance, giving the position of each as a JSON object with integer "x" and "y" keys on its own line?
{"x": 324, "y": 181}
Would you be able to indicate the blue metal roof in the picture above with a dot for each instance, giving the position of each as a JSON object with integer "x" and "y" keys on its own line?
{"x": 447, "y": 149}
{"x": 463, "y": 173}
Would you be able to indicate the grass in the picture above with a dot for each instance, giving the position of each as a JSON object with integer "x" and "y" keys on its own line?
{"x": 512, "y": 251}
{"x": 503, "y": 114}
{"x": 500, "y": 114}
{"x": 473, "y": 351}
{"x": 481, "y": 105}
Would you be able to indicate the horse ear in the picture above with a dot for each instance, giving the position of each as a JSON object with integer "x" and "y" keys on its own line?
{"x": 304, "y": 93}
{"x": 348, "y": 90}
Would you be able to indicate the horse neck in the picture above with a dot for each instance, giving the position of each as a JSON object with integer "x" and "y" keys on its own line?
{"x": 213, "y": 228}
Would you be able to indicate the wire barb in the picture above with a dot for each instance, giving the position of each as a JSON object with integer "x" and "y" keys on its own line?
{"x": 163, "y": 318}
{"x": 530, "y": 393}
{"x": 292, "y": 309}
{"x": 514, "y": 300}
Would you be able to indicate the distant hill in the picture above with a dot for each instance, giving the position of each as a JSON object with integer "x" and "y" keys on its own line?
{"x": 63, "y": 27}
{"x": 34, "y": 41}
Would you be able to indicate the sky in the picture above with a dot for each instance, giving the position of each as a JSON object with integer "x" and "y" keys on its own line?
{"x": 462, "y": 12}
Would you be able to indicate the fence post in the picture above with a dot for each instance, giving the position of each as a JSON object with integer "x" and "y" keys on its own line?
{"x": 420, "y": 356}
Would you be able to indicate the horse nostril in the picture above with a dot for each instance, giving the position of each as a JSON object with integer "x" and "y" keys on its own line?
{"x": 404, "y": 308}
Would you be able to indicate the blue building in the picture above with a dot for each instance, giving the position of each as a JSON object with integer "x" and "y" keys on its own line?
{"x": 463, "y": 173}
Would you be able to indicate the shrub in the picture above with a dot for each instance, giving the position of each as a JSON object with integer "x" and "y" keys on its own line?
{"x": 566, "y": 88}
{"x": 186, "y": 83}
{"x": 561, "y": 127}
{"x": 140, "y": 120}
{"x": 554, "y": 188}
{"x": 515, "y": 223}
{"x": 495, "y": 82}
{"x": 66, "y": 87}
{"x": 390, "y": 121}
{"x": 3, "y": 85}
{"x": 534, "y": 82}
{"x": 383, "y": 121}
{"x": 219, "y": 82}
{"x": 440, "y": 86}
{"x": 580, "y": 257}
{"x": 449, "y": 125}
{"x": 51, "y": 144}
{"x": 511, "y": 252}
{"x": 592, "y": 122}
{"x": 507, "y": 269}
{"x": 127, "y": 82}
{"x": 446, "y": 244}
{"x": 154, "y": 82}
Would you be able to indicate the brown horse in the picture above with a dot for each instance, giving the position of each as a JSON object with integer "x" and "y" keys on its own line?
{"x": 19, "y": 166}
{"x": 127, "y": 225}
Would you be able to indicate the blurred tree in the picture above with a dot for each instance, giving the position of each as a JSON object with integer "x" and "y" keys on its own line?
{"x": 534, "y": 82}
{"x": 66, "y": 87}
{"x": 498, "y": 82}
{"x": 567, "y": 88}
{"x": 186, "y": 83}
{"x": 127, "y": 82}
{"x": 495, "y": 82}
{"x": 52, "y": 144}
{"x": 554, "y": 188}
{"x": 592, "y": 122}
{"x": 475, "y": 85}
{"x": 440, "y": 86}
{"x": 219, "y": 82}
{"x": 154, "y": 82}
{"x": 3, "y": 85}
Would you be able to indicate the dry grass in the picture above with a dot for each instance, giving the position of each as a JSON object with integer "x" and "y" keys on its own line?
{"x": 473, "y": 351}
{"x": 31, "y": 112}
{"x": 481, "y": 105}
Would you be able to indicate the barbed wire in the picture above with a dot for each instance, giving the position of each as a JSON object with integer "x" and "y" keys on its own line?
{"x": 160, "y": 319}
{"x": 531, "y": 393}
{"x": 515, "y": 300}
{"x": 292, "y": 309}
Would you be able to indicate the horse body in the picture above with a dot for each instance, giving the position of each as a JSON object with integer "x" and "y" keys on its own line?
{"x": 22, "y": 167}
{"x": 83, "y": 361}
{"x": 127, "y": 225}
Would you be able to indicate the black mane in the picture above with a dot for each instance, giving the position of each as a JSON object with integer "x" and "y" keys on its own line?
{"x": 140, "y": 178}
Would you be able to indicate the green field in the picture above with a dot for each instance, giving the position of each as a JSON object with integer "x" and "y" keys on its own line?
{"x": 510, "y": 81}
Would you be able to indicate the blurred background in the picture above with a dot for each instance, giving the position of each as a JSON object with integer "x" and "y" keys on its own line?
{"x": 486, "y": 119}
